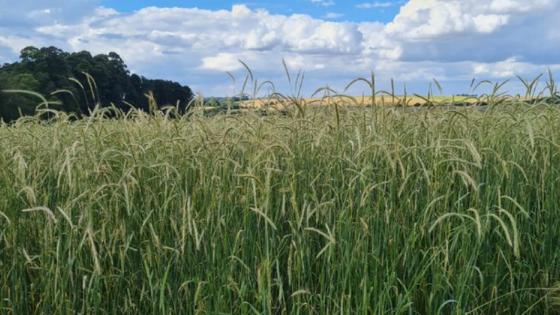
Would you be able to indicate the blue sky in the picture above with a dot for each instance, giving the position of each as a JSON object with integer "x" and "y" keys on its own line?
{"x": 349, "y": 10}
{"x": 332, "y": 41}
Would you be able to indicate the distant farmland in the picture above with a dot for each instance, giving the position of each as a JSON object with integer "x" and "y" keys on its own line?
{"x": 397, "y": 100}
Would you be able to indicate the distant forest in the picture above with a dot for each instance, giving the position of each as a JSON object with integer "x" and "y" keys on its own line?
{"x": 78, "y": 82}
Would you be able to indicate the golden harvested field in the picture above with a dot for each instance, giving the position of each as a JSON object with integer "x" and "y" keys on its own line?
{"x": 361, "y": 101}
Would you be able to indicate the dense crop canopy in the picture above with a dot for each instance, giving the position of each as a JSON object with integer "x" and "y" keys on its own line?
{"x": 371, "y": 211}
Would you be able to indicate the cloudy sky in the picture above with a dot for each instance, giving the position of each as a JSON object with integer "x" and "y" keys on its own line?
{"x": 333, "y": 41}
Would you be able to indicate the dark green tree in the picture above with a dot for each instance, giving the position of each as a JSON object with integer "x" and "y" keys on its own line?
{"x": 13, "y": 104}
{"x": 80, "y": 82}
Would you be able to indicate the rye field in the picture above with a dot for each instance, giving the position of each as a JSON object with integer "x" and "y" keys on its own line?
{"x": 328, "y": 210}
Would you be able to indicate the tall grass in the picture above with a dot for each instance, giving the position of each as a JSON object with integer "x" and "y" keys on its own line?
{"x": 330, "y": 210}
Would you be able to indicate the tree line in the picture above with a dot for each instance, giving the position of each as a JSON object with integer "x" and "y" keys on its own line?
{"x": 78, "y": 82}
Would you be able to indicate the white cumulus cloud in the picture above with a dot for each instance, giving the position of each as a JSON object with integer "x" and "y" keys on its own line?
{"x": 375, "y": 5}
{"x": 452, "y": 40}
{"x": 323, "y": 3}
